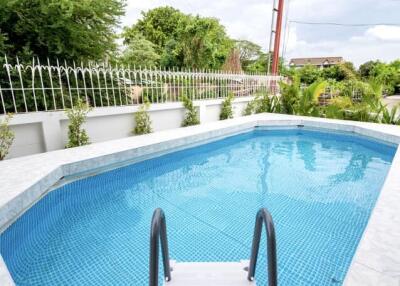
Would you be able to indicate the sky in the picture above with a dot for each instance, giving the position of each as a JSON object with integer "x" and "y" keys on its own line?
{"x": 251, "y": 20}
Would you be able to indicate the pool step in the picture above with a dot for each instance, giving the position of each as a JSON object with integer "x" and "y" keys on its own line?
{"x": 209, "y": 274}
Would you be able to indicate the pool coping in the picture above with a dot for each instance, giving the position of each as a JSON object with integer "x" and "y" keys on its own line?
{"x": 377, "y": 259}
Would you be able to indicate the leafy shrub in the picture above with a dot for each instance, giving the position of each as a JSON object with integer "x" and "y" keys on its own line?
{"x": 142, "y": 119}
{"x": 342, "y": 107}
{"x": 249, "y": 109}
{"x": 226, "y": 108}
{"x": 6, "y": 137}
{"x": 77, "y": 136}
{"x": 354, "y": 99}
{"x": 309, "y": 74}
{"x": 191, "y": 116}
{"x": 362, "y": 112}
{"x": 262, "y": 103}
{"x": 337, "y": 107}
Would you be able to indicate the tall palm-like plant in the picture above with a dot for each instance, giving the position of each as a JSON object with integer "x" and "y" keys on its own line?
{"x": 308, "y": 100}
{"x": 295, "y": 100}
{"x": 290, "y": 93}
{"x": 391, "y": 116}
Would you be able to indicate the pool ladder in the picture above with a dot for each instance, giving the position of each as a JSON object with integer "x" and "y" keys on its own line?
{"x": 159, "y": 233}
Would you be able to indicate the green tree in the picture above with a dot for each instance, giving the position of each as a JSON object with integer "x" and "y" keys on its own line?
{"x": 161, "y": 26}
{"x": 3, "y": 39}
{"x": 365, "y": 70}
{"x": 249, "y": 52}
{"x": 260, "y": 65}
{"x": 204, "y": 43}
{"x": 140, "y": 52}
{"x": 68, "y": 29}
{"x": 158, "y": 26}
{"x": 343, "y": 71}
{"x": 172, "y": 55}
{"x": 183, "y": 40}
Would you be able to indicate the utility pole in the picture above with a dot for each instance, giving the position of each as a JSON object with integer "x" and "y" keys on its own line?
{"x": 275, "y": 39}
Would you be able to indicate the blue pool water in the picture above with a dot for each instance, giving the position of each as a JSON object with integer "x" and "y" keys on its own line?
{"x": 319, "y": 187}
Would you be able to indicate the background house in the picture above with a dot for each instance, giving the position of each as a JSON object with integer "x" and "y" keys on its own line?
{"x": 322, "y": 62}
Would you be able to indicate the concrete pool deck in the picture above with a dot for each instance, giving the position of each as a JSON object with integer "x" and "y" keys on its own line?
{"x": 25, "y": 180}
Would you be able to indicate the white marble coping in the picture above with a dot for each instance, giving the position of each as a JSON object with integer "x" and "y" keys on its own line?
{"x": 25, "y": 180}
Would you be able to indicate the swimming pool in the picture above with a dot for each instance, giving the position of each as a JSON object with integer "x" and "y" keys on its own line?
{"x": 319, "y": 187}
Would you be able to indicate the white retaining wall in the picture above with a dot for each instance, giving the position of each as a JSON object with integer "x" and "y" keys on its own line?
{"x": 47, "y": 131}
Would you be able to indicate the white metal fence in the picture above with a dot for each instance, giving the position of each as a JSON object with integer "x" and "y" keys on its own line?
{"x": 36, "y": 86}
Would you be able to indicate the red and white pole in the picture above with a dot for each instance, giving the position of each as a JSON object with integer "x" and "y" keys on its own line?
{"x": 277, "y": 42}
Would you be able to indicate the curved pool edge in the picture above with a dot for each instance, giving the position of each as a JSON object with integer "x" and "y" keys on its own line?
{"x": 373, "y": 261}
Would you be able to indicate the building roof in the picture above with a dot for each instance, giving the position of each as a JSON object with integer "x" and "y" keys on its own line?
{"x": 316, "y": 61}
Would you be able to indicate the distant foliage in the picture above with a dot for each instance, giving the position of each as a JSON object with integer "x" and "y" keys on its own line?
{"x": 77, "y": 136}
{"x": 142, "y": 119}
{"x": 226, "y": 108}
{"x": 366, "y": 69}
{"x": 191, "y": 116}
{"x": 386, "y": 74}
{"x": 6, "y": 137}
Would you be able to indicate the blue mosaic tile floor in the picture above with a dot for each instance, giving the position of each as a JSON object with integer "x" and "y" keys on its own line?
{"x": 320, "y": 189}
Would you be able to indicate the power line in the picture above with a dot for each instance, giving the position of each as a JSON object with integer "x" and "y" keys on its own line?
{"x": 343, "y": 24}
{"x": 287, "y": 27}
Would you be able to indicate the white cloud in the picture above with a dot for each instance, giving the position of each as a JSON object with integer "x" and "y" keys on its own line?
{"x": 386, "y": 33}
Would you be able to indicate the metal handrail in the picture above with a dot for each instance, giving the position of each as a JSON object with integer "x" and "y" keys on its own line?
{"x": 158, "y": 232}
{"x": 264, "y": 217}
